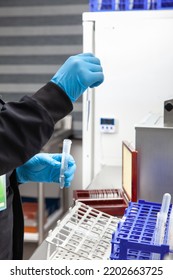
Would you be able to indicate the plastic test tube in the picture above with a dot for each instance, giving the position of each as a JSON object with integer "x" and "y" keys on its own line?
{"x": 64, "y": 161}
{"x": 170, "y": 230}
{"x": 161, "y": 222}
{"x": 165, "y": 203}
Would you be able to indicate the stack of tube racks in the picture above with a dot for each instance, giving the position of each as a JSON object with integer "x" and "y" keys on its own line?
{"x": 83, "y": 234}
{"x": 128, "y": 5}
{"x": 134, "y": 237}
{"x": 110, "y": 201}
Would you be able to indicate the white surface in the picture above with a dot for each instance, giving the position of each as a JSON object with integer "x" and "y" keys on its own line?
{"x": 110, "y": 177}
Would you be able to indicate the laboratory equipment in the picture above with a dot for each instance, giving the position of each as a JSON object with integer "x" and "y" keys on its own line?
{"x": 83, "y": 234}
{"x": 162, "y": 215}
{"x": 64, "y": 162}
{"x": 170, "y": 230}
{"x": 133, "y": 238}
{"x": 115, "y": 201}
{"x": 108, "y": 125}
{"x": 110, "y": 201}
{"x": 168, "y": 112}
{"x": 155, "y": 163}
{"x": 165, "y": 203}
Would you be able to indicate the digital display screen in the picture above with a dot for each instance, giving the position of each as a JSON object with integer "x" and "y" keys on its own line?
{"x": 106, "y": 121}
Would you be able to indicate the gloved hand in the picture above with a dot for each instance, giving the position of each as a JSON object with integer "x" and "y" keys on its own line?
{"x": 45, "y": 167}
{"x": 78, "y": 73}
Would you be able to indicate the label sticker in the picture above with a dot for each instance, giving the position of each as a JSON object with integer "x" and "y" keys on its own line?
{"x": 3, "y": 201}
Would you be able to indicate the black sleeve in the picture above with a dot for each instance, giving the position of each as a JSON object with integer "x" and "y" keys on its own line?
{"x": 27, "y": 125}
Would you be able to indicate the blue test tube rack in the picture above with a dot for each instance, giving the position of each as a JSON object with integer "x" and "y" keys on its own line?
{"x": 133, "y": 238}
{"x": 128, "y": 5}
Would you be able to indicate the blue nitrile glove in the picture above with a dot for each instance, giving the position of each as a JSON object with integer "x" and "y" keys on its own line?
{"x": 44, "y": 167}
{"x": 78, "y": 73}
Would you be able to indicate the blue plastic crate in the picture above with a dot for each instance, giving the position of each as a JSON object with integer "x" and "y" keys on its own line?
{"x": 164, "y": 4}
{"x": 118, "y": 5}
{"x": 127, "y": 5}
{"x": 134, "y": 236}
{"x": 99, "y": 5}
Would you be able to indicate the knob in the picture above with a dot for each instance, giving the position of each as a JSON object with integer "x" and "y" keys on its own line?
{"x": 168, "y": 106}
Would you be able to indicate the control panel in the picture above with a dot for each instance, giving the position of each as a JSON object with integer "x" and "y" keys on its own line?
{"x": 108, "y": 125}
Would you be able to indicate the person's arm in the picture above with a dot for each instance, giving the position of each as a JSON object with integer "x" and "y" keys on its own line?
{"x": 27, "y": 125}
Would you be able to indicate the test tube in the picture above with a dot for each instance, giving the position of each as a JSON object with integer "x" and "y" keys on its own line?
{"x": 165, "y": 203}
{"x": 170, "y": 230}
{"x": 161, "y": 223}
{"x": 64, "y": 161}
